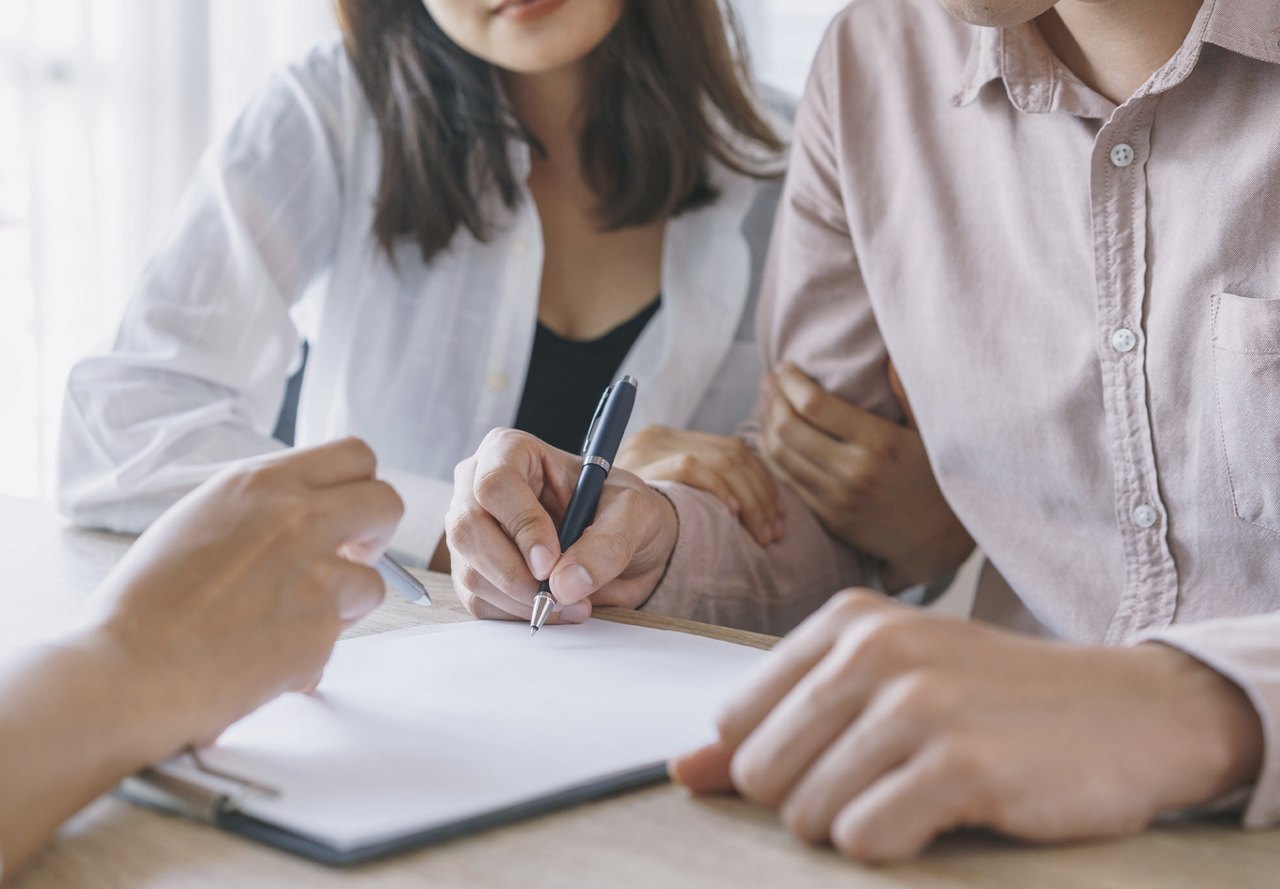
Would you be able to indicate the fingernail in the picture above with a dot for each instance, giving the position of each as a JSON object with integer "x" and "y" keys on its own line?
{"x": 541, "y": 561}
{"x": 572, "y": 583}
{"x": 576, "y": 613}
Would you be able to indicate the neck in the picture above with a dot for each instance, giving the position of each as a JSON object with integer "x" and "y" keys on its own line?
{"x": 1115, "y": 46}
{"x": 548, "y": 104}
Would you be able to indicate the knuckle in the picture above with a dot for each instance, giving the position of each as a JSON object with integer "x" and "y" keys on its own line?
{"x": 491, "y": 484}
{"x": 884, "y": 450}
{"x": 469, "y": 578}
{"x": 686, "y": 464}
{"x": 394, "y": 503}
{"x": 259, "y": 477}
{"x": 459, "y": 529}
{"x": 810, "y": 404}
{"x": 851, "y": 603}
{"x": 358, "y": 449}
{"x": 750, "y": 775}
{"x": 919, "y": 695}
{"x": 322, "y": 576}
{"x": 795, "y": 816}
{"x": 958, "y": 758}
{"x": 295, "y": 517}
{"x": 526, "y": 523}
{"x": 852, "y": 839}
{"x": 648, "y": 436}
{"x": 887, "y": 637}
{"x": 463, "y": 471}
{"x": 509, "y": 579}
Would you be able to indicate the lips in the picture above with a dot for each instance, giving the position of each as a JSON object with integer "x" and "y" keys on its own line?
{"x": 526, "y": 10}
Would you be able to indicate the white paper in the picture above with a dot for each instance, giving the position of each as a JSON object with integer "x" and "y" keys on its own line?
{"x": 419, "y": 728}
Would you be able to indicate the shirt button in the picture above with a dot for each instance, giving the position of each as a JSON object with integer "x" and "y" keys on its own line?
{"x": 1145, "y": 516}
{"x": 1123, "y": 340}
{"x": 1122, "y": 154}
{"x": 519, "y": 246}
{"x": 496, "y": 382}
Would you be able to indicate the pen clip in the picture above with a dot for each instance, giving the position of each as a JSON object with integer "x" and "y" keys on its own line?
{"x": 595, "y": 419}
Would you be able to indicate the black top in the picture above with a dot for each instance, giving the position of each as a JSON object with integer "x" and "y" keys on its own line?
{"x": 567, "y": 377}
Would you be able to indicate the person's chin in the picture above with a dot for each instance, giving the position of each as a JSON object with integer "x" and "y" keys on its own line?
{"x": 997, "y": 13}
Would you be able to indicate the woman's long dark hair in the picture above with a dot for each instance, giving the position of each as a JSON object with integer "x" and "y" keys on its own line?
{"x": 667, "y": 92}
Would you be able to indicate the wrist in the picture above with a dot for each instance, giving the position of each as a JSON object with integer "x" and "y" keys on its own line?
{"x": 151, "y": 709}
{"x": 668, "y": 538}
{"x": 1215, "y": 733}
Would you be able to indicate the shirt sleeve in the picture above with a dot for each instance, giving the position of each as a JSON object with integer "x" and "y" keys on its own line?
{"x": 196, "y": 375}
{"x": 426, "y": 503}
{"x": 814, "y": 312}
{"x": 1246, "y": 651}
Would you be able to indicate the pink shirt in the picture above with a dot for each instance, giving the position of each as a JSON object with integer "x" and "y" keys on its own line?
{"x": 1083, "y": 302}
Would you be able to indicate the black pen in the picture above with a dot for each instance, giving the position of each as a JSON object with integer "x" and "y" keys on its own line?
{"x": 598, "y": 450}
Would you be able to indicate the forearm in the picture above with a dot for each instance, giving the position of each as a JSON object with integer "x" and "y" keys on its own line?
{"x": 75, "y": 718}
{"x": 719, "y": 574}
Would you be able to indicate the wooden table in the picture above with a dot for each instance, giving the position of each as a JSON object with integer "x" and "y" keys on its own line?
{"x": 653, "y": 838}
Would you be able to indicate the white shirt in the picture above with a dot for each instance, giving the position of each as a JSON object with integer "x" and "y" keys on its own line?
{"x": 274, "y": 246}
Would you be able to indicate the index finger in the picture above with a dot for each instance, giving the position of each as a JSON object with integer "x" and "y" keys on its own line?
{"x": 828, "y": 412}
{"x": 360, "y": 518}
{"x": 512, "y": 470}
{"x": 326, "y": 465}
{"x": 792, "y": 659}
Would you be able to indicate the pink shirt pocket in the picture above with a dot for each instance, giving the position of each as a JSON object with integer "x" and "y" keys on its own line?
{"x": 1246, "y": 360}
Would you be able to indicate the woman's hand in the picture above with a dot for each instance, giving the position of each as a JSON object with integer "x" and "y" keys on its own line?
{"x": 720, "y": 465}
{"x": 501, "y": 529}
{"x": 868, "y": 480}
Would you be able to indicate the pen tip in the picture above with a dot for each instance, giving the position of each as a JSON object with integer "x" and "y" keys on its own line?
{"x": 532, "y": 630}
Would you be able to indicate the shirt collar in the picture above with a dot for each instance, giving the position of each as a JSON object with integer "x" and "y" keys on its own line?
{"x": 1036, "y": 82}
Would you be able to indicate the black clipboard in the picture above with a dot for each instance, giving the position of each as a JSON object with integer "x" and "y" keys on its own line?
{"x": 220, "y": 808}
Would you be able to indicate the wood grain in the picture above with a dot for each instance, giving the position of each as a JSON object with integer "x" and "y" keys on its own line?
{"x": 658, "y": 837}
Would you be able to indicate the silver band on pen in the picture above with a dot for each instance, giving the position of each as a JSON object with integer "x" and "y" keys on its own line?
{"x": 598, "y": 461}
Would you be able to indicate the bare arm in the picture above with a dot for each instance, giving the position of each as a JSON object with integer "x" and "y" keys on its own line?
{"x": 232, "y": 598}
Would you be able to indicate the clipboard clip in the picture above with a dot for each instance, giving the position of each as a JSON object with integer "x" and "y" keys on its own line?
{"x": 204, "y": 802}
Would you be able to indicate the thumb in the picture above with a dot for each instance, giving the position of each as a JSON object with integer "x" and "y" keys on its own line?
{"x": 705, "y": 770}
{"x": 900, "y": 393}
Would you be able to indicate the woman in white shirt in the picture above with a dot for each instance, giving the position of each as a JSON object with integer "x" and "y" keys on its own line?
{"x": 451, "y": 208}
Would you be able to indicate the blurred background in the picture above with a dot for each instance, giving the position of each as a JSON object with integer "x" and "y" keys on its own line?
{"x": 105, "y": 108}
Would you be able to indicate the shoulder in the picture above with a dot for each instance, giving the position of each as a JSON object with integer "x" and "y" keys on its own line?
{"x": 898, "y": 39}
{"x": 312, "y": 103}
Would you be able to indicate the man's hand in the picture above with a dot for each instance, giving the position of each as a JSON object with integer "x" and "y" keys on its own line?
{"x": 721, "y": 465}
{"x": 507, "y": 502}
{"x": 877, "y": 728}
{"x": 238, "y": 593}
{"x": 868, "y": 480}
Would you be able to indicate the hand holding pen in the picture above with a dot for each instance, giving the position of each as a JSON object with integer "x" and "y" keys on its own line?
{"x": 599, "y": 449}
{"x": 503, "y": 536}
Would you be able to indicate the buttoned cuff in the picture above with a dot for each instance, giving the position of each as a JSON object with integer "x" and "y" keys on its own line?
{"x": 426, "y": 501}
{"x": 1245, "y": 651}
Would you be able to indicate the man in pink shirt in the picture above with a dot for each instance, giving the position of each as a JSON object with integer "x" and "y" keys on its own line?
{"x": 1059, "y": 220}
